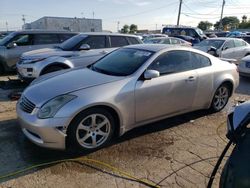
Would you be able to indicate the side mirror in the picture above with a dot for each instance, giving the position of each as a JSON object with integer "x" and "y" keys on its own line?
{"x": 11, "y": 45}
{"x": 150, "y": 74}
{"x": 84, "y": 47}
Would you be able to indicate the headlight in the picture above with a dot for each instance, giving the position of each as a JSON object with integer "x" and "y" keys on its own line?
{"x": 50, "y": 108}
{"x": 29, "y": 61}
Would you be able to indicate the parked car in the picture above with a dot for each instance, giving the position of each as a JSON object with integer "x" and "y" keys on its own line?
{"x": 221, "y": 33}
{"x": 129, "y": 87}
{"x": 168, "y": 40}
{"x": 193, "y": 32}
{"x": 16, "y": 43}
{"x": 230, "y": 48}
{"x": 80, "y": 50}
{"x": 244, "y": 66}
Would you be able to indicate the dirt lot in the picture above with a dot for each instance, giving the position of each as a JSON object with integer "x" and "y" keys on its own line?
{"x": 177, "y": 152}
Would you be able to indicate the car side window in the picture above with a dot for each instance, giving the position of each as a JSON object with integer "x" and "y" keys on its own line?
{"x": 239, "y": 43}
{"x": 133, "y": 40}
{"x": 175, "y": 41}
{"x": 199, "y": 61}
{"x": 172, "y": 62}
{"x": 118, "y": 41}
{"x": 63, "y": 37}
{"x": 228, "y": 45}
{"x": 166, "y": 41}
{"x": 40, "y": 39}
{"x": 22, "y": 40}
{"x": 95, "y": 42}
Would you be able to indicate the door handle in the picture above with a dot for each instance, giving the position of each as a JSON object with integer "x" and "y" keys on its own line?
{"x": 190, "y": 79}
{"x": 104, "y": 52}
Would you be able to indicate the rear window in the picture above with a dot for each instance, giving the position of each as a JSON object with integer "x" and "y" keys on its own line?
{"x": 45, "y": 39}
{"x": 118, "y": 41}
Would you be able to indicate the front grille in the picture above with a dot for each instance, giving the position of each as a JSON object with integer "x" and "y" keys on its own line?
{"x": 26, "y": 105}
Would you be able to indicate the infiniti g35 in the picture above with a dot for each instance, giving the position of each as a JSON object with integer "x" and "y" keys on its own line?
{"x": 132, "y": 86}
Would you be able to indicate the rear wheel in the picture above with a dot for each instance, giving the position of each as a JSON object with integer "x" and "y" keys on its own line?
{"x": 91, "y": 129}
{"x": 52, "y": 69}
{"x": 220, "y": 98}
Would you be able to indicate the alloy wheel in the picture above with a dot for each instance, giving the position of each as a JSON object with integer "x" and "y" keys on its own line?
{"x": 93, "y": 131}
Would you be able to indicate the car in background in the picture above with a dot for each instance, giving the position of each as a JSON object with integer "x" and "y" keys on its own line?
{"x": 147, "y": 37}
{"x": 168, "y": 40}
{"x": 18, "y": 42}
{"x": 193, "y": 32}
{"x": 244, "y": 66}
{"x": 230, "y": 48}
{"x": 4, "y": 34}
{"x": 127, "y": 88}
{"x": 80, "y": 50}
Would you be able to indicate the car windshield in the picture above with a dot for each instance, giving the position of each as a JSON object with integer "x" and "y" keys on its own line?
{"x": 6, "y": 39}
{"x": 72, "y": 42}
{"x": 199, "y": 31}
{"x": 122, "y": 62}
{"x": 215, "y": 43}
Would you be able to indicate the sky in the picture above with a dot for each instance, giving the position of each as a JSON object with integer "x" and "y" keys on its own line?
{"x": 146, "y": 14}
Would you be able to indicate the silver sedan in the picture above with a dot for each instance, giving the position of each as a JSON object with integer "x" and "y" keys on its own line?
{"x": 132, "y": 86}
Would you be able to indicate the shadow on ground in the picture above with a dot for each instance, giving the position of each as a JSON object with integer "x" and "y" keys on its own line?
{"x": 17, "y": 153}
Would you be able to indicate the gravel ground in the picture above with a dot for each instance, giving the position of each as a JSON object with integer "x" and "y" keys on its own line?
{"x": 177, "y": 152}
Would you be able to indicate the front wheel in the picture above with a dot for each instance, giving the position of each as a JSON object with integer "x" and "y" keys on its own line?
{"x": 91, "y": 129}
{"x": 220, "y": 98}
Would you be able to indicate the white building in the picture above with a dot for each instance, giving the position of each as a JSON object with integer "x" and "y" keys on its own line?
{"x": 64, "y": 23}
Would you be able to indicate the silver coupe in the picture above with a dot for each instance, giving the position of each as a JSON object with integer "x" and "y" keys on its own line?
{"x": 85, "y": 108}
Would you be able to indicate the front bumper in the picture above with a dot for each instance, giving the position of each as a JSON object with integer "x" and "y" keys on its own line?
{"x": 27, "y": 71}
{"x": 49, "y": 133}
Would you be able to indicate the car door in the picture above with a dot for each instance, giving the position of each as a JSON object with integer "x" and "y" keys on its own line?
{"x": 204, "y": 69}
{"x": 23, "y": 44}
{"x": 98, "y": 49}
{"x": 171, "y": 93}
{"x": 228, "y": 50}
{"x": 240, "y": 49}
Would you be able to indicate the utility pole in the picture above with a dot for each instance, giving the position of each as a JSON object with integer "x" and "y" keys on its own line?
{"x": 222, "y": 9}
{"x": 23, "y": 19}
{"x": 6, "y": 23}
{"x": 179, "y": 13}
{"x": 118, "y": 26}
{"x": 93, "y": 14}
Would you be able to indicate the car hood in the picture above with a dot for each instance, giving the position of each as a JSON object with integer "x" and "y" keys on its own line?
{"x": 46, "y": 52}
{"x": 63, "y": 82}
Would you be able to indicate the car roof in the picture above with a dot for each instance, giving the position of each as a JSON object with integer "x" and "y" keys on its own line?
{"x": 154, "y": 47}
{"x": 43, "y": 31}
{"x": 223, "y": 38}
{"x": 107, "y": 33}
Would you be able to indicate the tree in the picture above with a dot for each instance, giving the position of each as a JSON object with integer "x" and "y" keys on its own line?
{"x": 244, "y": 19}
{"x": 205, "y": 25}
{"x": 132, "y": 28}
{"x": 230, "y": 22}
{"x": 125, "y": 29}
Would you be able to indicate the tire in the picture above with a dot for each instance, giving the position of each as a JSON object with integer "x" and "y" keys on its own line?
{"x": 220, "y": 99}
{"x": 52, "y": 69}
{"x": 88, "y": 131}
